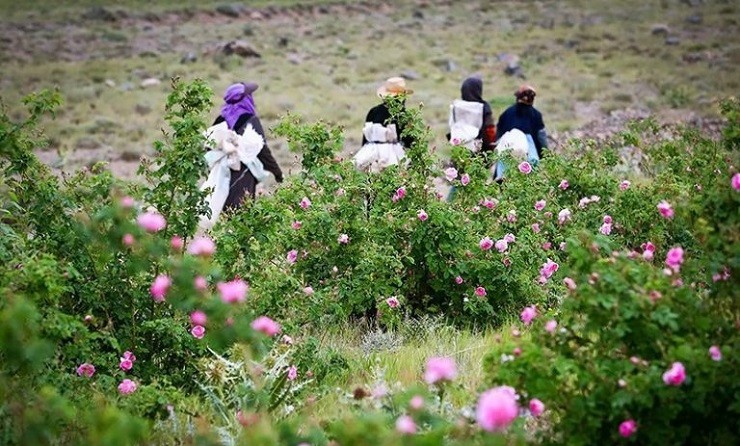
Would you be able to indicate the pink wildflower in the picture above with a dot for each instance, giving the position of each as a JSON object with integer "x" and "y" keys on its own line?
{"x": 296, "y": 225}
{"x": 674, "y": 258}
{"x": 606, "y": 229}
{"x": 130, "y": 356}
{"x": 624, "y": 185}
{"x": 485, "y": 244}
{"x": 450, "y": 173}
{"x": 502, "y": 245}
{"x": 151, "y": 222}
{"x": 665, "y": 209}
{"x": 676, "y": 375}
{"x": 405, "y": 425}
{"x": 86, "y": 369}
{"x": 570, "y": 283}
{"x": 458, "y": 280}
{"x": 648, "y": 251}
{"x": 627, "y": 428}
{"x": 308, "y": 291}
{"x": 564, "y": 185}
{"x": 551, "y": 325}
{"x": 715, "y": 353}
{"x": 128, "y": 240}
{"x": 292, "y": 256}
{"x": 265, "y": 325}
{"x": 200, "y": 283}
{"x": 202, "y": 246}
{"x": 540, "y": 205}
{"x": 159, "y": 287}
{"x": 489, "y": 203}
{"x": 736, "y": 181}
{"x": 465, "y": 179}
{"x": 198, "y": 332}
{"x": 393, "y": 302}
{"x": 480, "y": 291}
{"x": 233, "y": 291}
{"x": 528, "y": 314}
{"x": 549, "y": 268}
{"x": 198, "y": 317}
{"x": 417, "y": 402}
{"x": 127, "y": 387}
{"x": 305, "y": 203}
{"x": 422, "y": 215}
{"x": 440, "y": 369}
{"x": 497, "y": 409}
{"x": 177, "y": 243}
{"x": 127, "y": 202}
{"x": 511, "y": 216}
{"x": 536, "y": 407}
{"x": 343, "y": 239}
{"x": 509, "y": 238}
{"x": 525, "y": 168}
{"x": 536, "y": 228}
{"x": 401, "y": 192}
{"x": 564, "y": 216}
{"x": 126, "y": 364}
{"x": 292, "y": 373}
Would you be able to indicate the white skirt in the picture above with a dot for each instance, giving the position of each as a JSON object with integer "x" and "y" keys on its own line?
{"x": 374, "y": 157}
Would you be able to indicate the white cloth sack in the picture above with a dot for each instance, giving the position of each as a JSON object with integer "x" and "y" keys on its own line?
{"x": 228, "y": 150}
{"x": 381, "y": 150}
{"x": 466, "y": 120}
{"x": 514, "y": 140}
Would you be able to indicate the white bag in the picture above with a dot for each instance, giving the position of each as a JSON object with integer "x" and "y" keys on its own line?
{"x": 514, "y": 140}
{"x": 381, "y": 150}
{"x": 466, "y": 120}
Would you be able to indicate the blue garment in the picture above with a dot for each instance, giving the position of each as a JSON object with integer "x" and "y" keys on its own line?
{"x": 525, "y": 118}
{"x": 532, "y": 157}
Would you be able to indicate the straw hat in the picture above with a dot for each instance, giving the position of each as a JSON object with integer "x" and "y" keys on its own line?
{"x": 394, "y": 86}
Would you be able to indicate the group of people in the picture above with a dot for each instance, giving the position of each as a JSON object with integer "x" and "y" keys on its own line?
{"x": 240, "y": 157}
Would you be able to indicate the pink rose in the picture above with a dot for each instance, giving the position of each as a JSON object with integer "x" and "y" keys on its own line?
{"x": 265, "y": 325}
{"x": 486, "y": 243}
{"x": 608, "y": 219}
{"x": 308, "y": 291}
{"x": 564, "y": 216}
{"x": 736, "y": 181}
{"x": 627, "y": 428}
{"x": 606, "y": 229}
{"x": 340, "y": 192}
{"x": 564, "y": 185}
{"x": 676, "y": 375}
{"x": 714, "y": 352}
{"x": 674, "y": 258}
{"x": 296, "y": 225}
{"x": 450, "y": 173}
{"x": 86, "y": 369}
{"x": 624, "y": 185}
{"x": 393, "y": 302}
{"x": 536, "y": 407}
{"x": 126, "y": 364}
{"x": 440, "y": 369}
{"x": 497, "y": 409}
{"x": 548, "y": 269}
{"x": 401, "y": 192}
{"x": 292, "y": 256}
{"x": 200, "y": 283}
{"x": 536, "y": 228}
{"x": 528, "y": 314}
{"x": 422, "y": 215}
{"x": 465, "y": 179}
{"x": 525, "y": 168}
{"x": 130, "y": 356}
{"x": 198, "y": 332}
{"x": 511, "y": 216}
{"x": 417, "y": 402}
{"x": 551, "y": 325}
{"x": 509, "y": 238}
{"x": 570, "y": 283}
{"x": 198, "y": 317}
{"x": 159, "y": 287}
{"x": 489, "y": 203}
{"x": 502, "y": 245}
{"x": 127, "y": 202}
{"x": 202, "y": 246}
{"x": 305, "y": 203}
{"x": 233, "y": 291}
{"x": 480, "y": 291}
{"x": 126, "y": 387}
{"x": 458, "y": 280}
{"x": 177, "y": 243}
{"x": 665, "y": 209}
{"x": 343, "y": 239}
{"x": 128, "y": 240}
{"x": 292, "y": 373}
{"x": 405, "y": 425}
{"x": 151, "y": 222}
{"x": 546, "y": 246}
{"x": 540, "y": 205}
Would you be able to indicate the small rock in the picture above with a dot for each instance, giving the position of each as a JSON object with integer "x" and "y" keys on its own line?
{"x": 283, "y": 42}
{"x": 110, "y": 82}
{"x": 229, "y": 10}
{"x": 142, "y": 109}
{"x": 672, "y": 40}
{"x": 294, "y": 58}
{"x": 189, "y": 57}
{"x": 695, "y": 19}
{"x": 99, "y": 13}
{"x": 692, "y": 57}
{"x": 256, "y": 15}
{"x": 417, "y": 14}
{"x": 659, "y": 29}
{"x": 240, "y": 48}
{"x": 411, "y": 75}
{"x": 150, "y": 82}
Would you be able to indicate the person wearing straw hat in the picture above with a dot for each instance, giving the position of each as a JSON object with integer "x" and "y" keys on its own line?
{"x": 382, "y": 144}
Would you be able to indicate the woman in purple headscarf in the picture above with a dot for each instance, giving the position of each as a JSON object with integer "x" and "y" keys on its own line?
{"x": 238, "y": 111}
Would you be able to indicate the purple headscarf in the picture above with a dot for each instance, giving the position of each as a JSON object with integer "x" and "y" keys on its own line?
{"x": 239, "y": 100}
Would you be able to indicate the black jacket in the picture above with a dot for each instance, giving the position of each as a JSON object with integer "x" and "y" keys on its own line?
{"x": 527, "y": 119}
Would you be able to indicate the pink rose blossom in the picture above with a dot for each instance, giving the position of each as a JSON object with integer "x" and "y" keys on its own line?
{"x": 340, "y": 192}
{"x": 489, "y": 203}
{"x": 151, "y": 222}
{"x": 127, "y": 202}
{"x": 564, "y": 216}
{"x": 551, "y": 325}
{"x": 401, "y": 192}
{"x": 177, "y": 243}
{"x": 507, "y": 262}
{"x": 497, "y": 409}
{"x": 674, "y": 258}
{"x": 393, "y": 302}
{"x": 159, "y": 287}
{"x": 536, "y": 407}
{"x": 422, "y": 215}
{"x": 570, "y": 283}
{"x": 536, "y": 228}
{"x": 458, "y": 280}
{"x": 440, "y": 369}
{"x": 233, "y": 291}
{"x": 480, "y": 291}
{"x": 126, "y": 364}
{"x": 130, "y": 356}
{"x": 736, "y": 181}
{"x": 450, "y": 173}
{"x": 606, "y": 229}
{"x": 525, "y": 168}
{"x": 648, "y": 251}
{"x": 202, "y": 246}
{"x": 308, "y": 291}
{"x": 265, "y": 325}
{"x": 305, "y": 203}
{"x": 676, "y": 375}
{"x": 128, "y": 240}
{"x": 417, "y": 402}
{"x": 343, "y": 239}
{"x": 564, "y": 185}
{"x": 511, "y": 216}
{"x": 624, "y": 185}
{"x": 509, "y": 238}
{"x": 540, "y": 205}
{"x": 517, "y": 351}
{"x": 465, "y": 179}
{"x": 292, "y": 256}
{"x": 485, "y": 244}
{"x": 198, "y": 332}
{"x": 546, "y": 246}
{"x": 627, "y": 428}
{"x": 198, "y": 317}
{"x": 665, "y": 209}
{"x": 86, "y": 369}
{"x": 608, "y": 219}
{"x": 292, "y": 373}
{"x": 200, "y": 283}
{"x": 287, "y": 340}
{"x": 714, "y": 352}
{"x": 528, "y": 314}
{"x": 296, "y": 225}
{"x": 548, "y": 269}
{"x": 502, "y": 245}
{"x": 405, "y": 425}
{"x": 584, "y": 202}
{"x": 127, "y": 387}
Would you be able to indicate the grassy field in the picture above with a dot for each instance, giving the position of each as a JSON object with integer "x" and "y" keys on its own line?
{"x": 586, "y": 58}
